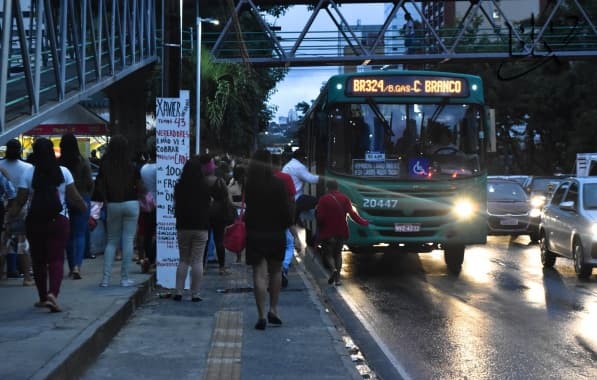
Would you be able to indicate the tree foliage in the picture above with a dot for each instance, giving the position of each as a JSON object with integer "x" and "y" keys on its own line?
{"x": 302, "y": 107}
{"x": 551, "y": 97}
{"x": 234, "y": 97}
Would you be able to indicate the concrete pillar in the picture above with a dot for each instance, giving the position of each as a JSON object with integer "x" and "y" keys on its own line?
{"x": 128, "y": 104}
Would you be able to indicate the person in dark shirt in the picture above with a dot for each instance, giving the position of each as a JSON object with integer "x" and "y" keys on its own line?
{"x": 191, "y": 194}
{"x": 267, "y": 217}
{"x": 333, "y": 228}
{"x": 119, "y": 185}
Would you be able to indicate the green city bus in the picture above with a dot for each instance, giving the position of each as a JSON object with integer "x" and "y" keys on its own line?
{"x": 409, "y": 148}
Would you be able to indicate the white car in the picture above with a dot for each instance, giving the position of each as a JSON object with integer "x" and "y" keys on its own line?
{"x": 569, "y": 225}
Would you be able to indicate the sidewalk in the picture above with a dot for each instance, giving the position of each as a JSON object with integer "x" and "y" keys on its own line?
{"x": 37, "y": 344}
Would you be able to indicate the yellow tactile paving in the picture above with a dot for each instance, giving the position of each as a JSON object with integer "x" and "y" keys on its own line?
{"x": 223, "y": 360}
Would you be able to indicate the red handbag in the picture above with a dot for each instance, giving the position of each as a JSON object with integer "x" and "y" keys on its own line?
{"x": 235, "y": 235}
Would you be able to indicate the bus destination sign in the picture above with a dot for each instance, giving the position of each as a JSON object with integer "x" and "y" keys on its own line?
{"x": 407, "y": 85}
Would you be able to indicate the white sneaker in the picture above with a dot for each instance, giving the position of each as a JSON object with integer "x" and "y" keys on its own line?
{"x": 104, "y": 284}
{"x": 127, "y": 283}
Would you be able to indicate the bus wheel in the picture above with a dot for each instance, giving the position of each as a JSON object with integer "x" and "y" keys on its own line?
{"x": 454, "y": 256}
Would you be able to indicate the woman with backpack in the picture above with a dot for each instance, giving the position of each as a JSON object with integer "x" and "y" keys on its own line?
{"x": 52, "y": 187}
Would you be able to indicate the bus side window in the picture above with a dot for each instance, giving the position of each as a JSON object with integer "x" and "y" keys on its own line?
{"x": 322, "y": 139}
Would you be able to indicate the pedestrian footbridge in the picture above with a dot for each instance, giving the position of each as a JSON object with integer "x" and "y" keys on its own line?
{"x": 57, "y": 53}
{"x": 455, "y": 31}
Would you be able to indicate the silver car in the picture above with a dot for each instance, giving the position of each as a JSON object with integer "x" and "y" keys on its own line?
{"x": 569, "y": 225}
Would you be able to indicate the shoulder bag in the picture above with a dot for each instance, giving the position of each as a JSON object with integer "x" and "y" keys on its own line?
{"x": 235, "y": 235}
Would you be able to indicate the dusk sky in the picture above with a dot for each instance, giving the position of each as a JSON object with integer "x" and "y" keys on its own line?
{"x": 303, "y": 83}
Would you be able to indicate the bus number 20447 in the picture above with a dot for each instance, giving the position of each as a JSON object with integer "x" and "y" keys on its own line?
{"x": 379, "y": 203}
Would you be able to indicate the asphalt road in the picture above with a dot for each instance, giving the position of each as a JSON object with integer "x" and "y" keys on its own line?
{"x": 503, "y": 317}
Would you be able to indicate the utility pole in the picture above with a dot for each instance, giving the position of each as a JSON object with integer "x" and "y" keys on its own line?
{"x": 171, "y": 48}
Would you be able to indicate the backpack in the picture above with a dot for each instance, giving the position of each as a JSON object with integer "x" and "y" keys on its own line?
{"x": 221, "y": 210}
{"x": 45, "y": 204}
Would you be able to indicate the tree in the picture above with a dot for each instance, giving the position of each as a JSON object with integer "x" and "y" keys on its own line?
{"x": 302, "y": 107}
{"x": 235, "y": 96}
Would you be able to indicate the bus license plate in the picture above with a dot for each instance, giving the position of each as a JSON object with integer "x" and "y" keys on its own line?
{"x": 401, "y": 227}
{"x": 509, "y": 222}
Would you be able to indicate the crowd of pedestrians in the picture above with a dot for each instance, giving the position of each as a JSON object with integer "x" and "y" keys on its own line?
{"x": 268, "y": 191}
{"x": 13, "y": 243}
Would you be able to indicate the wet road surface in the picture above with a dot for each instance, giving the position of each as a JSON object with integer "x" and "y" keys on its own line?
{"x": 503, "y": 317}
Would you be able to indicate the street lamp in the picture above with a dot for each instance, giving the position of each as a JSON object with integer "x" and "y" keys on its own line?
{"x": 199, "y": 21}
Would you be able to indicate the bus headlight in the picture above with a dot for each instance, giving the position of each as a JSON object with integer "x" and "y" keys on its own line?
{"x": 464, "y": 209}
{"x": 537, "y": 201}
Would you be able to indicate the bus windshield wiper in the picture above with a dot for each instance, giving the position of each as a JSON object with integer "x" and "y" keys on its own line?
{"x": 379, "y": 115}
{"x": 439, "y": 109}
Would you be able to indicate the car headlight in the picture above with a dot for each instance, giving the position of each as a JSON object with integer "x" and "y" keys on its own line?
{"x": 464, "y": 209}
{"x": 537, "y": 201}
{"x": 535, "y": 213}
{"x": 594, "y": 231}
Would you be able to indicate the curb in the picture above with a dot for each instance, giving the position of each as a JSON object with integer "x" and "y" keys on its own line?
{"x": 83, "y": 351}
{"x": 375, "y": 364}
{"x": 318, "y": 298}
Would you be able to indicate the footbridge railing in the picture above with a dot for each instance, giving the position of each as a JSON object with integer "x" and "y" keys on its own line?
{"x": 57, "y": 53}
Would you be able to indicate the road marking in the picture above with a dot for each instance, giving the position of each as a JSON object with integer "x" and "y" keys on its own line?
{"x": 382, "y": 346}
{"x": 224, "y": 357}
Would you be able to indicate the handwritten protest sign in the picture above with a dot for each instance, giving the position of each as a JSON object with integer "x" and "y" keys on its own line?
{"x": 172, "y": 147}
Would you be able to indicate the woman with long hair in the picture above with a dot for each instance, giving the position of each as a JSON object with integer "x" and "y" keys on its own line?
{"x": 191, "y": 206}
{"x": 71, "y": 158}
{"x": 47, "y": 237}
{"x": 119, "y": 184}
{"x": 267, "y": 217}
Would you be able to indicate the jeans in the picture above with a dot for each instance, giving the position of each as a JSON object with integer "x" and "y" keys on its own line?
{"x": 79, "y": 228}
{"x": 218, "y": 240}
{"x": 149, "y": 228}
{"x": 47, "y": 242}
{"x": 121, "y": 226}
{"x": 289, "y": 253}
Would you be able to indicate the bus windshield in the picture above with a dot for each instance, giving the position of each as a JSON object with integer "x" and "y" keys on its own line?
{"x": 410, "y": 141}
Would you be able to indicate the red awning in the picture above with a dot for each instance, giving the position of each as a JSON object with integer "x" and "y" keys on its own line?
{"x": 77, "y": 120}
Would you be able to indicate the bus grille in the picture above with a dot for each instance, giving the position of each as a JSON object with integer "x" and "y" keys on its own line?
{"x": 391, "y": 233}
{"x": 422, "y": 213}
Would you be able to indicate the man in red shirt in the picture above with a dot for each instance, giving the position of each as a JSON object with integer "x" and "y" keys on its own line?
{"x": 333, "y": 228}
{"x": 291, "y": 191}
